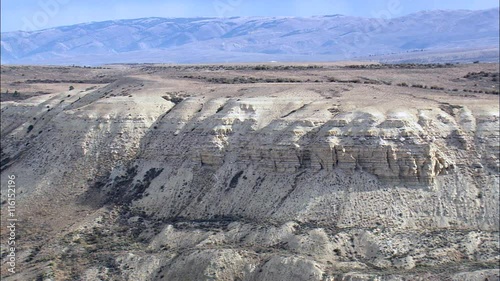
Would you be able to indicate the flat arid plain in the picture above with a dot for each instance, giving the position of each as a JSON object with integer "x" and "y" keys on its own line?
{"x": 345, "y": 171}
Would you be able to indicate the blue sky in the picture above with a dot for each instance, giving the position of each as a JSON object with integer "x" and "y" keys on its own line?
{"x": 40, "y": 14}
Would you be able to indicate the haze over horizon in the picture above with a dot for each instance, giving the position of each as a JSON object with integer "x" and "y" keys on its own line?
{"x": 434, "y": 36}
{"x": 33, "y": 15}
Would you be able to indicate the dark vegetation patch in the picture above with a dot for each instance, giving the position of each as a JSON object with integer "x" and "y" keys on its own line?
{"x": 7, "y": 160}
{"x": 115, "y": 191}
{"x": 278, "y": 67}
{"x": 98, "y": 246}
{"x": 175, "y": 97}
{"x": 140, "y": 187}
{"x": 449, "y": 108}
{"x": 234, "y": 181}
{"x": 154, "y": 69}
{"x": 221, "y": 108}
{"x": 246, "y": 79}
{"x": 216, "y": 222}
{"x": 4, "y": 161}
{"x": 482, "y": 75}
{"x": 437, "y": 88}
{"x": 123, "y": 189}
{"x": 53, "y": 81}
{"x": 175, "y": 100}
{"x": 401, "y": 66}
{"x": 419, "y": 86}
{"x": 483, "y": 82}
{"x": 19, "y": 96}
{"x": 287, "y": 67}
{"x": 361, "y": 80}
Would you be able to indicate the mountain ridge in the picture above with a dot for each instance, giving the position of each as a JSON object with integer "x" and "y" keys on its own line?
{"x": 238, "y": 39}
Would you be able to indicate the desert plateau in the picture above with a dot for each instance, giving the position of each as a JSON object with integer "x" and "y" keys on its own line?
{"x": 276, "y": 171}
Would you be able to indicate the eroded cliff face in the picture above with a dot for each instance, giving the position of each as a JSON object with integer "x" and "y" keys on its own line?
{"x": 272, "y": 158}
{"x": 290, "y": 185}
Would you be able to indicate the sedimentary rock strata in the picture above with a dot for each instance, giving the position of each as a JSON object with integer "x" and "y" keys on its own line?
{"x": 255, "y": 182}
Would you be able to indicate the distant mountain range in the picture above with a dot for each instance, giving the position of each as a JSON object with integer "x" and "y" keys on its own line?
{"x": 458, "y": 35}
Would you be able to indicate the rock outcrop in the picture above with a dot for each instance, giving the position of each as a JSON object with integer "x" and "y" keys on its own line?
{"x": 288, "y": 186}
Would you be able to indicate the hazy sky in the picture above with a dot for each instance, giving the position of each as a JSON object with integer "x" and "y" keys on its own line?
{"x": 40, "y": 14}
